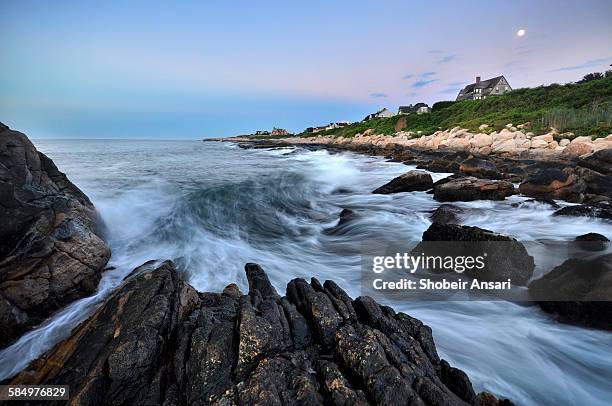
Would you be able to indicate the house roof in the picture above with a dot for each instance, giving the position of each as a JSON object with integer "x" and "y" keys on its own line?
{"x": 412, "y": 108}
{"x": 483, "y": 84}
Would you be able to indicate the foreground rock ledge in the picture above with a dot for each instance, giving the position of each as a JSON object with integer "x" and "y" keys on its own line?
{"x": 158, "y": 341}
{"x": 50, "y": 250}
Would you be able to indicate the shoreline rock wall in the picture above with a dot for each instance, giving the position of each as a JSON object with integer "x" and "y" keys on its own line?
{"x": 508, "y": 141}
{"x": 158, "y": 341}
{"x": 51, "y": 252}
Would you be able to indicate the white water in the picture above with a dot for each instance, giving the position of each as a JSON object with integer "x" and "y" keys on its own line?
{"x": 213, "y": 207}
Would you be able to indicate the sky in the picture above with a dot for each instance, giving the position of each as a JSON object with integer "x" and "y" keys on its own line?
{"x": 197, "y": 69}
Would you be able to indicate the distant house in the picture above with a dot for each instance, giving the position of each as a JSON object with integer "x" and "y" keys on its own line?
{"x": 379, "y": 114}
{"x": 418, "y": 108}
{"x": 314, "y": 130}
{"x": 338, "y": 124}
{"x": 481, "y": 89}
{"x": 330, "y": 126}
{"x": 262, "y": 132}
{"x": 279, "y": 131}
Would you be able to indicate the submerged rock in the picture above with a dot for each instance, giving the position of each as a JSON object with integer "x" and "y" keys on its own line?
{"x": 470, "y": 188}
{"x": 446, "y": 213}
{"x": 599, "y": 210}
{"x": 505, "y": 256}
{"x": 579, "y": 291}
{"x": 158, "y": 341}
{"x": 346, "y": 216}
{"x": 51, "y": 252}
{"x": 531, "y": 203}
{"x": 409, "y": 182}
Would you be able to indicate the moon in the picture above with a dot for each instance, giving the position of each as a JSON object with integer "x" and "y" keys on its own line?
{"x": 521, "y": 32}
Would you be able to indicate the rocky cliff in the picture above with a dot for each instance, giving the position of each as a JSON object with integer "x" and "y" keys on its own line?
{"x": 158, "y": 341}
{"x": 50, "y": 250}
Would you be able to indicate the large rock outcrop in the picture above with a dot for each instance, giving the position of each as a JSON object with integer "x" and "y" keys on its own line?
{"x": 50, "y": 250}
{"x": 158, "y": 341}
{"x": 411, "y": 181}
{"x": 600, "y": 161}
{"x": 507, "y": 258}
{"x": 579, "y": 291}
{"x": 554, "y": 184}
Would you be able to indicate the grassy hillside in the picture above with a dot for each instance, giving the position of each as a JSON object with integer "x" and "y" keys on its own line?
{"x": 582, "y": 108}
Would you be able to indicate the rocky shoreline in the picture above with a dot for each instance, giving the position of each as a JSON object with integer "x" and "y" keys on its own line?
{"x": 509, "y": 141}
{"x": 584, "y": 288}
{"x": 51, "y": 250}
{"x": 158, "y": 341}
{"x": 578, "y": 179}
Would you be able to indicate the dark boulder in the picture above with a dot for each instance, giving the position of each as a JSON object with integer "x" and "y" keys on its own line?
{"x": 592, "y": 242}
{"x": 505, "y": 256}
{"x": 51, "y": 252}
{"x": 599, "y": 210}
{"x": 440, "y": 165}
{"x": 470, "y": 188}
{"x": 579, "y": 291}
{"x": 600, "y": 161}
{"x": 409, "y": 182}
{"x": 596, "y": 184}
{"x": 158, "y": 341}
{"x": 554, "y": 184}
{"x": 446, "y": 213}
{"x": 480, "y": 168}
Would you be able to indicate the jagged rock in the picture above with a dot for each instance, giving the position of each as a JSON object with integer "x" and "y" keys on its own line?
{"x": 471, "y": 188}
{"x": 506, "y": 257}
{"x": 446, "y": 213}
{"x": 554, "y": 184}
{"x": 409, "y": 182}
{"x": 600, "y": 210}
{"x": 578, "y": 291}
{"x": 51, "y": 252}
{"x": 158, "y": 341}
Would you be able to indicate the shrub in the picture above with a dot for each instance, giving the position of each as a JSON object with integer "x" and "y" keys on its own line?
{"x": 441, "y": 105}
{"x": 583, "y": 108}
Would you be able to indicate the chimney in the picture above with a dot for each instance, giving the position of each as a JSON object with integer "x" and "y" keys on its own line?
{"x": 477, "y": 79}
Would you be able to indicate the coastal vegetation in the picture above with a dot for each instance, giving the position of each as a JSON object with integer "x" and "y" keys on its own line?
{"x": 583, "y": 108}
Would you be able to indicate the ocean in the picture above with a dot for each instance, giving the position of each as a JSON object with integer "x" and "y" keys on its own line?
{"x": 212, "y": 207}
